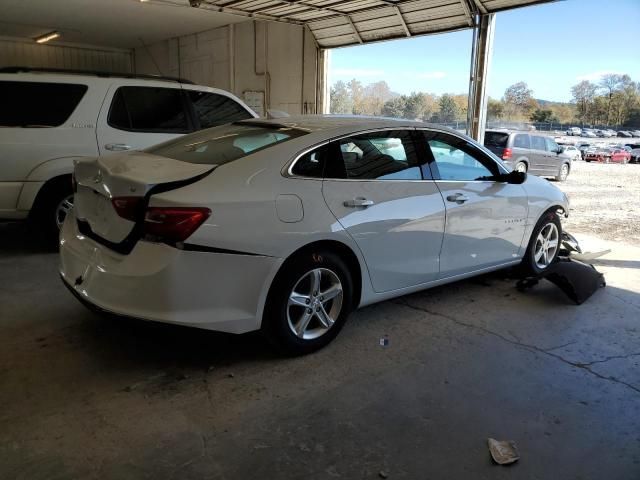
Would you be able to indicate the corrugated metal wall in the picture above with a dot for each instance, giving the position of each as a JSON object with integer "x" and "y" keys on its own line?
{"x": 28, "y": 54}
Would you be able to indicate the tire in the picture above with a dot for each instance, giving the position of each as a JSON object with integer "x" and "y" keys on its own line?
{"x": 520, "y": 167}
{"x": 563, "y": 173}
{"x": 532, "y": 265}
{"x": 284, "y": 320}
{"x": 52, "y": 204}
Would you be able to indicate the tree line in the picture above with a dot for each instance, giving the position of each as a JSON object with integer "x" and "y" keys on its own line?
{"x": 613, "y": 101}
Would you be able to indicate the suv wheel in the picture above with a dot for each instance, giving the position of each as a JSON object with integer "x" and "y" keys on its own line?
{"x": 563, "y": 173}
{"x": 520, "y": 167}
{"x": 53, "y": 204}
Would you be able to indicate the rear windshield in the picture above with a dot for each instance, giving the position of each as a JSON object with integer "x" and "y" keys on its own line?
{"x": 38, "y": 104}
{"x": 219, "y": 145}
{"x": 495, "y": 139}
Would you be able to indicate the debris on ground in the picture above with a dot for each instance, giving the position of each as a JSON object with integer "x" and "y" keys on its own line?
{"x": 384, "y": 341}
{"x": 383, "y": 474}
{"x": 503, "y": 452}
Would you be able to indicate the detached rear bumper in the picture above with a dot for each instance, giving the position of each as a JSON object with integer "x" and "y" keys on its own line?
{"x": 214, "y": 291}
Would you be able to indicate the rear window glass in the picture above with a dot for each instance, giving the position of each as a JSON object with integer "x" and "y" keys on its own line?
{"x": 35, "y": 104}
{"x": 495, "y": 139}
{"x": 224, "y": 144}
{"x": 148, "y": 109}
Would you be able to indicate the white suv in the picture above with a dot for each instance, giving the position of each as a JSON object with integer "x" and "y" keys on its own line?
{"x": 50, "y": 118}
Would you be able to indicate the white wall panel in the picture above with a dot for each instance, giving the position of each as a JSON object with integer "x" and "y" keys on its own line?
{"x": 29, "y": 54}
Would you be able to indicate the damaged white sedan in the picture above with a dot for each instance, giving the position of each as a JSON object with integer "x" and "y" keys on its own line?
{"x": 288, "y": 226}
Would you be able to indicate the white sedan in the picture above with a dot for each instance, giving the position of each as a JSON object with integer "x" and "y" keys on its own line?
{"x": 288, "y": 226}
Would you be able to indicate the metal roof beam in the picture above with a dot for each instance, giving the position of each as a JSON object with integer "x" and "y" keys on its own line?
{"x": 402, "y": 22}
{"x": 480, "y": 7}
{"x": 355, "y": 30}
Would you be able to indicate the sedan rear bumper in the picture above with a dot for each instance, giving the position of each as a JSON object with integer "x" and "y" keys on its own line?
{"x": 215, "y": 291}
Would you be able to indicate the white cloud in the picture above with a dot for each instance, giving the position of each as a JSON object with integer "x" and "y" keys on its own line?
{"x": 357, "y": 72}
{"x": 597, "y": 75}
{"x": 431, "y": 75}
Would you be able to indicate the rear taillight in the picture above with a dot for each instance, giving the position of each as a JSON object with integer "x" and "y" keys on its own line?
{"x": 506, "y": 154}
{"x": 173, "y": 224}
{"x": 127, "y": 207}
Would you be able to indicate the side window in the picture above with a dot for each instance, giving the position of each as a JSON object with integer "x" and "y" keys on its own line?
{"x": 148, "y": 109}
{"x": 38, "y": 104}
{"x": 388, "y": 155}
{"x": 456, "y": 159}
{"x": 521, "y": 140}
{"x": 537, "y": 143}
{"x": 552, "y": 146}
{"x": 212, "y": 109}
{"x": 311, "y": 164}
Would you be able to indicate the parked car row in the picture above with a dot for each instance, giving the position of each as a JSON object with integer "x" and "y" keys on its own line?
{"x": 608, "y": 133}
{"x": 608, "y": 155}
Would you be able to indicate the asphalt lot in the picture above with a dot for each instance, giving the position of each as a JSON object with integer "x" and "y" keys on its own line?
{"x": 82, "y": 396}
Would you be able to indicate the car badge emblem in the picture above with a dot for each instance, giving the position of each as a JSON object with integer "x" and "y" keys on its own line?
{"x": 98, "y": 177}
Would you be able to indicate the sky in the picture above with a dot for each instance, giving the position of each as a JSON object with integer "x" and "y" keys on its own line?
{"x": 550, "y": 47}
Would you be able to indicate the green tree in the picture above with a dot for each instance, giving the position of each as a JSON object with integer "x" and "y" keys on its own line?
{"x": 340, "y": 100}
{"x": 395, "y": 107}
{"x": 518, "y": 100}
{"x": 448, "y": 108}
{"x": 583, "y": 96}
{"x": 495, "y": 109}
{"x": 543, "y": 116}
{"x": 610, "y": 83}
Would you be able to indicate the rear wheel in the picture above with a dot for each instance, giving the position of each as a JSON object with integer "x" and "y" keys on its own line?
{"x": 520, "y": 167}
{"x": 563, "y": 173}
{"x": 309, "y": 303}
{"x": 52, "y": 206}
{"x": 544, "y": 244}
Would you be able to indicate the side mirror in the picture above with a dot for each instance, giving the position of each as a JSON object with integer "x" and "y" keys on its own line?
{"x": 513, "y": 177}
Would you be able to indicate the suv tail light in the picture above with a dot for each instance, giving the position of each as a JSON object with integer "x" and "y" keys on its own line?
{"x": 506, "y": 154}
{"x": 173, "y": 224}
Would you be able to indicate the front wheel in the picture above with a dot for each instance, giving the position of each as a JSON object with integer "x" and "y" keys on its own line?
{"x": 53, "y": 204}
{"x": 544, "y": 244}
{"x": 309, "y": 303}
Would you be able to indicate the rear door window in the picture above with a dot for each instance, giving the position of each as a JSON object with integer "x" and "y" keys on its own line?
{"x": 38, "y": 104}
{"x": 538, "y": 143}
{"x": 212, "y": 109}
{"x": 149, "y": 109}
{"x": 385, "y": 155}
{"x": 521, "y": 140}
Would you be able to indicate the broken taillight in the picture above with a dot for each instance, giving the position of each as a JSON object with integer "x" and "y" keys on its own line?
{"x": 173, "y": 224}
{"x": 127, "y": 207}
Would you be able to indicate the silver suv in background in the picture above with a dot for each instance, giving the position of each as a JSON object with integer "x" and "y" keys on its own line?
{"x": 50, "y": 118}
{"x": 532, "y": 153}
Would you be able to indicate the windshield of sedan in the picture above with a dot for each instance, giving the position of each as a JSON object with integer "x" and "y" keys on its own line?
{"x": 224, "y": 144}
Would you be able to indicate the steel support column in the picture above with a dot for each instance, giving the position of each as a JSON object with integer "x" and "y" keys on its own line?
{"x": 480, "y": 64}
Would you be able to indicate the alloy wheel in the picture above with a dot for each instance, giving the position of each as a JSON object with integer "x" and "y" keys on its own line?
{"x": 315, "y": 303}
{"x": 564, "y": 172}
{"x": 63, "y": 209}
{"x": 521, "y": 167}
{"x": 546, "y": 246}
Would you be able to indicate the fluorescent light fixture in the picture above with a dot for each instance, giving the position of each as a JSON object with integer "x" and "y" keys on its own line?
{"x": 49, "y": 36}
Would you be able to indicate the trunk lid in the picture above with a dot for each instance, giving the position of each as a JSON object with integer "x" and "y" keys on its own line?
{"x": 134, "y": 175}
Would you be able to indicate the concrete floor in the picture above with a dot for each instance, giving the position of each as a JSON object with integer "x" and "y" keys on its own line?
{"x": 87, "y": 397}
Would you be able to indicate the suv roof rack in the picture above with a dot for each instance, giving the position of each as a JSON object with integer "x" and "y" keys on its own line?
{"x": 94, "y": 72}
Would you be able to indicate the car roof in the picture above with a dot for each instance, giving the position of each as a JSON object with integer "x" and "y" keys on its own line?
{"x": 90, "y": 74}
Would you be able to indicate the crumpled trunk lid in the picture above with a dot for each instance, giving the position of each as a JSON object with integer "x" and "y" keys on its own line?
{"x": 136, "y": 174}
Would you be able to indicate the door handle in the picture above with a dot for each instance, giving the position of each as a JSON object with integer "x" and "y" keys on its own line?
{"x": 358, "y": 202}
{"x": 117, "y": 147}
{"x": 458, "y": 198}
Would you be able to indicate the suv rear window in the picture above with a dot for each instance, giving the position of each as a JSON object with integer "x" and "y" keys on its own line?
{"x": 224, "y": 144}
{"x": 495, "y": 139}
{"x": 36, "y": 104}
{"x": 213, "y": 109}
{"x": 148, "y": 109}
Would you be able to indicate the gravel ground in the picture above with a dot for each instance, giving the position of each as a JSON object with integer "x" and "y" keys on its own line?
{"x": 605, "y": 201}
